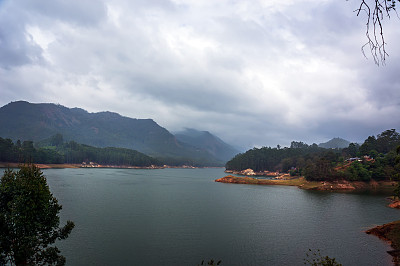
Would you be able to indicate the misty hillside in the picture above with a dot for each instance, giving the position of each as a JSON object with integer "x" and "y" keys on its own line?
{"x": 335, "y": 143}
{"x": 27, "y": 121}
{"x": 207, "y": 141}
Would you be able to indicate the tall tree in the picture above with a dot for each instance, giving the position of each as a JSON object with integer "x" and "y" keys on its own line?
{"x": 29, "y": 221}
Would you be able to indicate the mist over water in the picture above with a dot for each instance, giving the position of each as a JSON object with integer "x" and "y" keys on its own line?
{"x": 181, "y": 216}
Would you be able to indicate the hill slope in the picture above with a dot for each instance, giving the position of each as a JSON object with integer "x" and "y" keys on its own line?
{"x": 207, "y": 141}
{"x": 335, "y": 143}
{"x": 27, "y": 121}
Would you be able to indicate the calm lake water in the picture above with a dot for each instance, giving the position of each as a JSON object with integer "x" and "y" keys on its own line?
{"x": 181, "y": 216}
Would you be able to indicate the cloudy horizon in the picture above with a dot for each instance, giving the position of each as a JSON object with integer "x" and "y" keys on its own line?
{"x": 257, "y": 73}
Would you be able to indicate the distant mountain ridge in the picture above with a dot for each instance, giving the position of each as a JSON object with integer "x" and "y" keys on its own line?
{"x": 27, "y": 121}
{"x": 207, "y": 141}
{"x": 335, "y": 143}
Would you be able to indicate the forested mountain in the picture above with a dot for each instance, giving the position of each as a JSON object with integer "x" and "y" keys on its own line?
{"x": 335, "y": 143}
{"x": 36, "y": 122}
{"x": 57, "y": 151}
{"x": 378, "y": 158}
{"x": 206, "y": 141}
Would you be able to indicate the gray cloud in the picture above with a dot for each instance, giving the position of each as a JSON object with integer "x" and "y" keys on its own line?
{"x": 255, "y": 74}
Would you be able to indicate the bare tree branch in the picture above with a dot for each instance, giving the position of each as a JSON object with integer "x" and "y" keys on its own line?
{"x": 376, "y": 11}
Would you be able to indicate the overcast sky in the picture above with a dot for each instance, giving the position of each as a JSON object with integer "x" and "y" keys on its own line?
{"x": 254, "y": 73}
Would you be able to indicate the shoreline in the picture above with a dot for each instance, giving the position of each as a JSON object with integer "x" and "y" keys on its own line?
{"x": 66, "y": 165}
{"x": 255, "y": 181}
{"x": 389, "y": 233}
{"x": 69, "y": 165}
{"x": 301, "y": 182}
{"x": 40, "y": 165}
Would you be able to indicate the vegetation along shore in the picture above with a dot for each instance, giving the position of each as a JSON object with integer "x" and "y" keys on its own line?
{"x": 303, "y": 183}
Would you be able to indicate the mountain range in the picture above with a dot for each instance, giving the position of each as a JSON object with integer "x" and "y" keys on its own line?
{"x": 207, "y": 141}
{"x": 27, "y": 121}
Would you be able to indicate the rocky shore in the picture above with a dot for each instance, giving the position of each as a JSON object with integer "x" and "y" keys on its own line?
{"x": 390, "y": 233}
{"x": 395, "y": 204}
{"x": 255, "y": 181}
{"x": 301, "y": 182}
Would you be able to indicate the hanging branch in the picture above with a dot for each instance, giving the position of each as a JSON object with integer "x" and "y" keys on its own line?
{"x": 376, "y": 13}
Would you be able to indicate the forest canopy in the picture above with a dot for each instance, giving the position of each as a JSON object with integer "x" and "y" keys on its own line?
{"x": 56, "y": 151}
{"x": 377, "y": 158}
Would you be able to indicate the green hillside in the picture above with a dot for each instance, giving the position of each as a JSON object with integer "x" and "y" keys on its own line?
{"x": 36, "y": 122}
{"x": 57, "y": 151}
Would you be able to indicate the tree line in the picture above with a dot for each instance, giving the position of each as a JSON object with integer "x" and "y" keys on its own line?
{"x": 377, "y": 158}
{"x": 56, "y": 151}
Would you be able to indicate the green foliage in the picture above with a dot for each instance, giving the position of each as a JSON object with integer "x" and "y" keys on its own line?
{"x": 315, "y": 258}
{"x": 318, "y": 164}
{"x": 385, "y": 166}
{"x": 357, "y": 171}
{"x": 70, "y": 152}
{"x": 29, "y": 222}
{"x": 54, "y": 151}
{"x": 351, "y": 150}
{"x": 383, "y": 143}
{"x": 272, "y": 159}
{"x": 77, "y": 153}
{"x": 26, "y": 152}
{"x": 396, "y": 191}
{"x": 57, "y": 140}
{"x": 319, "y": 169}
{"x": 39, "y": 122}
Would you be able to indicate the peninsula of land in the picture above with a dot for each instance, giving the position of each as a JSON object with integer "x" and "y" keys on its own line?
{"x": 301, "y": 182}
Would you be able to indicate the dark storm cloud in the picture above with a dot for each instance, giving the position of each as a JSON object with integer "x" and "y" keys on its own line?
{"x": 15, "y": 47}
{"x": 255, "y": 73}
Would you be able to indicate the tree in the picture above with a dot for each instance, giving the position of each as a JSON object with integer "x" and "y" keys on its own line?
{"x": 316, "y": 259}
{"x": 368, "y": 145}
{"x": 387, "y": 140}
{"x": 356, "y": 171}
{"x": 396, "y": 191}
{"x": 376, "y": 12}
{"x": 352, "y": 150}
{"x": 57, "y": 140}
{"x": 298, "y": 145}
{"x": 29, "y": 221}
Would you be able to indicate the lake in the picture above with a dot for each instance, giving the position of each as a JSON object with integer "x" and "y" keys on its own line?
{"x": 181, "y": 216}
